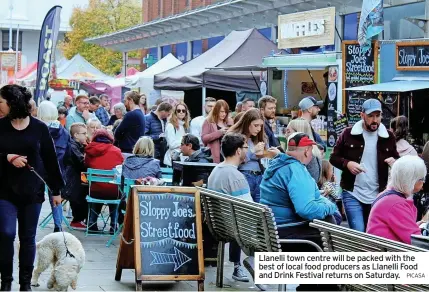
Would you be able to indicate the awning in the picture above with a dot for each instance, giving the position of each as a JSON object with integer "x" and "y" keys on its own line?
{"x": 217, "y": 19}
{"x": 393, "y": 86}
{"x": 301, "y": 61}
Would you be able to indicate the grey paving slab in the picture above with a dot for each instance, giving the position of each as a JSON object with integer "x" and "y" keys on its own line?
{"x": 99, "y": 270}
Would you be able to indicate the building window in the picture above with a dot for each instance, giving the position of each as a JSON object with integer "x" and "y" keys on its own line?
{"x": 5, "y": 40}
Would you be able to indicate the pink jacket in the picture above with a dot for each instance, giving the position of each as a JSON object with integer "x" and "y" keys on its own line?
{"x": 211, "y": 137}
{"x": 393, "y": 217}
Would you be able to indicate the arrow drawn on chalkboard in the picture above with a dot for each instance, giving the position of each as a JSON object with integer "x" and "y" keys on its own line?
{"x": 178, "y": 258}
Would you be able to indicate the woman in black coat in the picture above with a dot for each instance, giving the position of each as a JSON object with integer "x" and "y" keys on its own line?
{"x": 26, "y": 149}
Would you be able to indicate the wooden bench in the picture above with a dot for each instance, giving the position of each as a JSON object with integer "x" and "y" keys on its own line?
{"x": 250, "y": 224}
{"x": 340, "y": 239}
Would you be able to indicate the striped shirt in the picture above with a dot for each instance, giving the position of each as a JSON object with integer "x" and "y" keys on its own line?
{"x": 225, "y": 178}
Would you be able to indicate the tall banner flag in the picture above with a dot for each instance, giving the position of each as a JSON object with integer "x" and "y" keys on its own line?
{"x": 371, "y": 22}
{"x": 47, "y": 45}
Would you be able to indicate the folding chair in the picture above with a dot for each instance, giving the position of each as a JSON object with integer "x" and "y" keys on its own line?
{"x": 48, "y": 218}
{"x": 125, "y": 192}
{"x": 167, "y": 175}
{"x": 101, "y": 176}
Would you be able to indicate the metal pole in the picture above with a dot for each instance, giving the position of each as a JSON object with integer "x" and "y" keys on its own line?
{"x": 10, "y": 26}
{"x": 426, "y": 29}
{"x": 16, "y": 50}
{"x": 124, "y": 64}
{"x": 204, "y": 94}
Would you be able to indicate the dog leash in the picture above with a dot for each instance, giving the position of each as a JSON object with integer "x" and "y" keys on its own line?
{"x": 29, "y": 167}
{"x": 68, "y": 253}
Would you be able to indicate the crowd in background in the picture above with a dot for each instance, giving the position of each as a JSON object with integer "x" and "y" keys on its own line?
{"x": 60, "y": 142}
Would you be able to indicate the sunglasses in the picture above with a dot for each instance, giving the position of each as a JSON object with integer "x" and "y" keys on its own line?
{"x": 422, "y": 180}
{"x": 183, "y": 111}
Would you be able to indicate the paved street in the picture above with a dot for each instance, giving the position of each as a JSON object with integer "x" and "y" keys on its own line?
{"x": 99, "y": 270}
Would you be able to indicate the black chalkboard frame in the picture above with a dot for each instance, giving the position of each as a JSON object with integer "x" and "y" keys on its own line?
{"x": 129, "y": 254}
{"x": 172, "y": 190}
{"x": 400, "y": 45}
{"x": 375, "y": 45}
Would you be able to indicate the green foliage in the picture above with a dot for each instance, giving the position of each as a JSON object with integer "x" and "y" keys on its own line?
{"x": 98, "y": 18}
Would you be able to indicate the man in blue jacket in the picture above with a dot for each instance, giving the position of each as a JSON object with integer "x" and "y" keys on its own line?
{"x": 293, "y": 196}
{"x": 288, "y": 188}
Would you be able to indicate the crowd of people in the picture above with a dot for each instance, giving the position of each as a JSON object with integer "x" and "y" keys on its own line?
{"x": 53, "y": 145}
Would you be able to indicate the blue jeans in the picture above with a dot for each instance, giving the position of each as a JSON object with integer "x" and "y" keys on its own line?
{"x": 254, "y": 182}
{"x": 357, "y": 213}
{"x": 27, "y": 217}
{"x": 57, "y": 214}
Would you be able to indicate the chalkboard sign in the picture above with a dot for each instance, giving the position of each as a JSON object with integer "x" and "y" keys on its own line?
{"x": 168, "y": 234}
{"x": 164, "y": 225}
{"x": 340, "y": 124}
{"x": 354, "y": 108}
{"x": 412, "y": 56}
{"x": 359, "y": 68}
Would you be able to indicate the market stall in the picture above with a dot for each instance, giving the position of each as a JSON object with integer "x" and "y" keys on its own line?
{"x": 404, "y": 87}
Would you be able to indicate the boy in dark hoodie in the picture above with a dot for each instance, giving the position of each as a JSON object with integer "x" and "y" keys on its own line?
{"x": 75, "y": 193}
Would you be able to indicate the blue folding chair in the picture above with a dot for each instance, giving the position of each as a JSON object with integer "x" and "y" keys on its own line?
{"x": 48, "y": 218}
{"x": 167, "y": 175}
{"x": 101, "y": 176}
{"x": 125, "y": 193}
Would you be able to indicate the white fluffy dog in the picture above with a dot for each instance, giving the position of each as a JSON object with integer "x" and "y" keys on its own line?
{"x": 52, "y": 250}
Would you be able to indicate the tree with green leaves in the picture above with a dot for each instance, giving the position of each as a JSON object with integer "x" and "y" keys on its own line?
{"x": 98, "y": 18}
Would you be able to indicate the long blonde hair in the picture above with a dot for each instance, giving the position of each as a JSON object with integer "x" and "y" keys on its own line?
{"x": 301, "y": 125}
{"x": 174, "y": 120}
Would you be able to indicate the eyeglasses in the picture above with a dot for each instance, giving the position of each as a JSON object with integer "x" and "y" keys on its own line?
{"x": 84, "y": 103}
{"x": 84, "y": 133}
{"x": 183, "y": 111}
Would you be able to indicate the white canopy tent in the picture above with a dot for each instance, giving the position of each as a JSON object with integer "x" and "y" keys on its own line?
{"x": 144, "y": 79}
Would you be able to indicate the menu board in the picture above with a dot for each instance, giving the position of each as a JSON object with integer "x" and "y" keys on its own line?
{"x": 412, "y": 56}
{"x": 359, "y": 68}
{"x": 162, "y": 236}
{"x": 340, "y": 124}
{"x": 168, "y": 235}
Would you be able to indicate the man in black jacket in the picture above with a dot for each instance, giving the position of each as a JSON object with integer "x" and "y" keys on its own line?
{"x": 190, "y": 147}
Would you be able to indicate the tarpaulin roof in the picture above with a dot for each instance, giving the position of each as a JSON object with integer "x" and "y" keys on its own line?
{"x": 393, "y": 86}
{"x": 239, "y": 48}
{"x": 78, "y": 68}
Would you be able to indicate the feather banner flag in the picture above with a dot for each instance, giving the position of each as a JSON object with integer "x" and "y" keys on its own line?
{"x": 371, "y": 22}
{"x": 47, "y": 45}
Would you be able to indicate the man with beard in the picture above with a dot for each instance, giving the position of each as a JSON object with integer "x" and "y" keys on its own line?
{"x": 310, "y": 108}
{"x": 132, "y": 126}
{"x": 225, "y": 178}
{"x": 364, "y": 153}
{"x": 267, "y": 106}
{"x": 197, "y": 123}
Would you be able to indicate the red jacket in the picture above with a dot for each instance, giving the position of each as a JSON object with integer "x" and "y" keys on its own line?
{"x": 103, "y": 156}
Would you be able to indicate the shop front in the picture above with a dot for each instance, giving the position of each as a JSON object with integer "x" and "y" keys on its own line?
{"x": 291, "y": 77}
{"x": 404, "y": 87}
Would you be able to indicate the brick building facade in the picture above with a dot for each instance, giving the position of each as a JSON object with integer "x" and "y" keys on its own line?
{"x": 155, "y": 9}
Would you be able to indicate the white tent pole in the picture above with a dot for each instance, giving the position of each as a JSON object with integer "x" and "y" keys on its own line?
{"x": 16, "y": 50}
